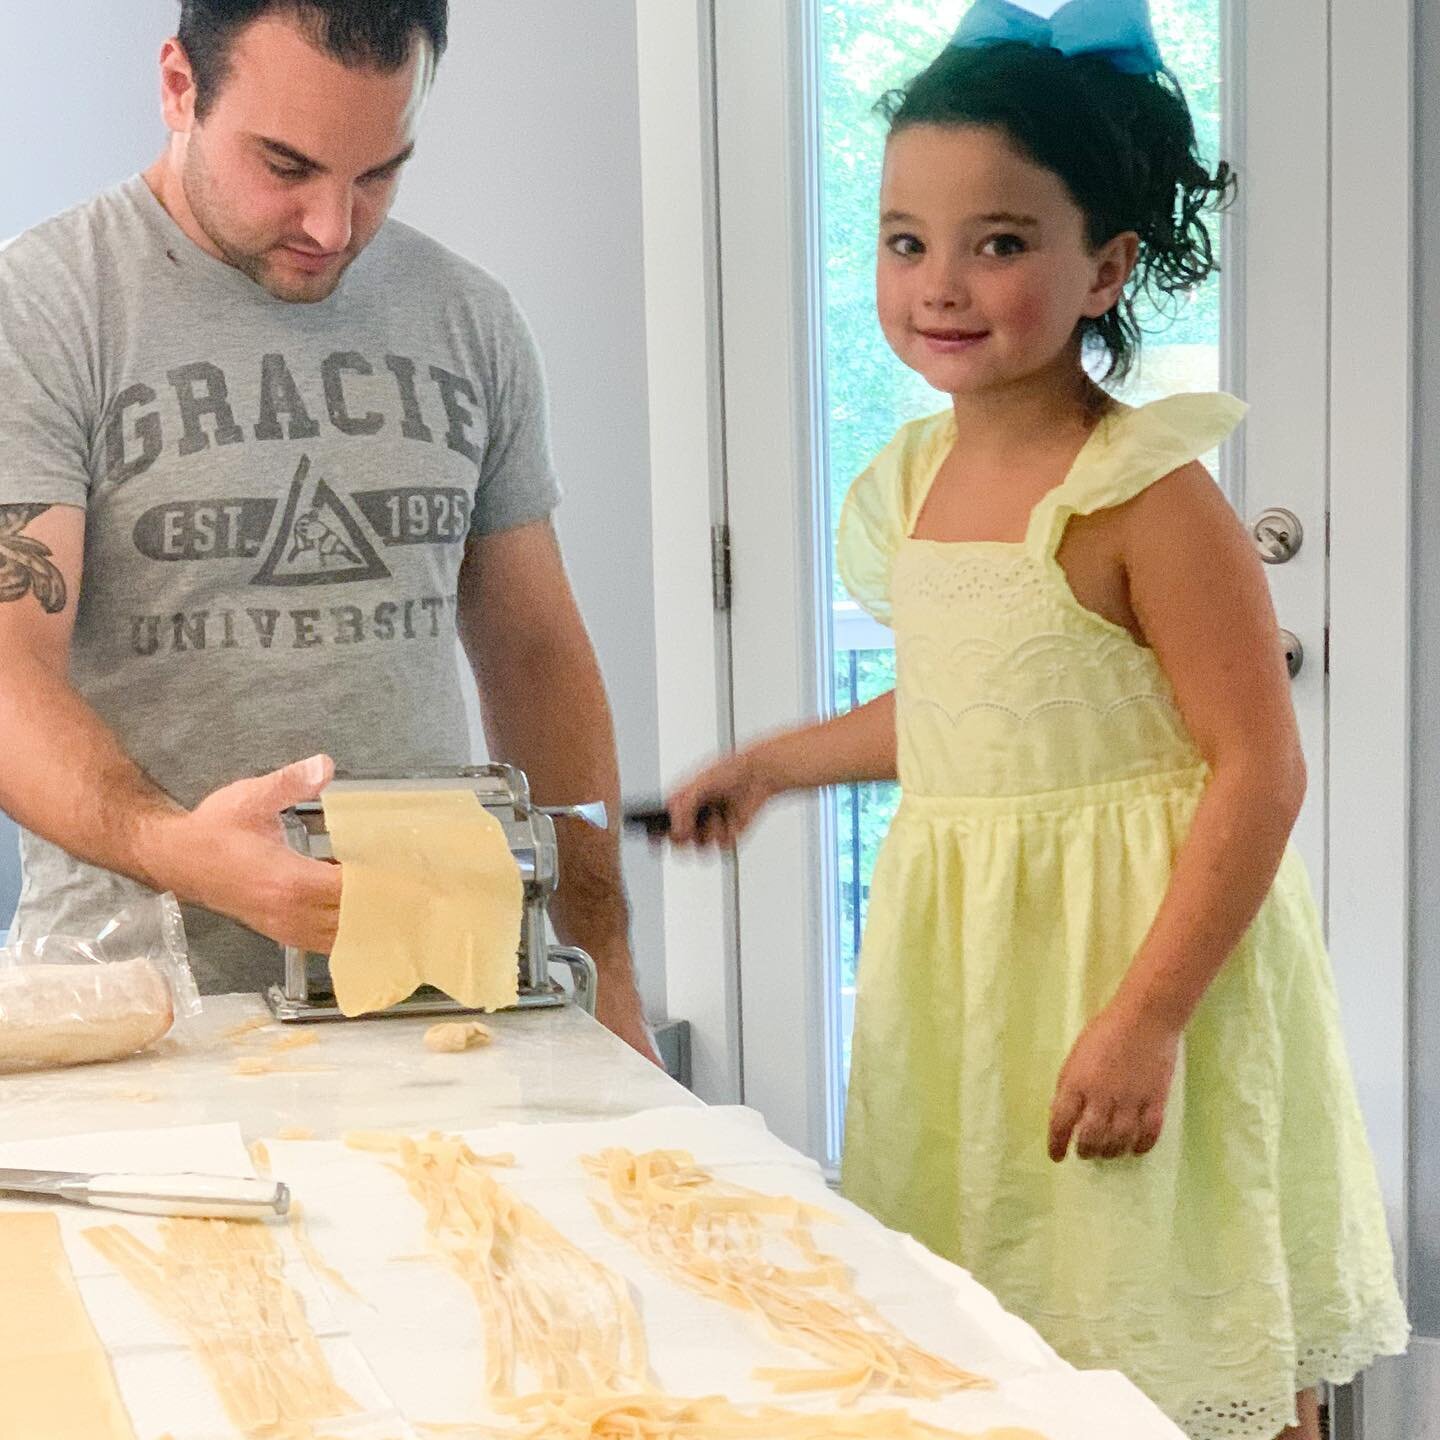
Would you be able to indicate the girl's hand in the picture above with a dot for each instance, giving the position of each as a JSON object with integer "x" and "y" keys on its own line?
{"x": 718, "y": 805}
{"x": 1112, "y": 1090}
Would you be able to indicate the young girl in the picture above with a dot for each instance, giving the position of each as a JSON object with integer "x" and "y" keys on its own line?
{"x": 1087, "y": 934}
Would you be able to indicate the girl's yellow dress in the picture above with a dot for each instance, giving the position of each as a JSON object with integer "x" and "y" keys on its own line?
{"x": 1048, "y": 783}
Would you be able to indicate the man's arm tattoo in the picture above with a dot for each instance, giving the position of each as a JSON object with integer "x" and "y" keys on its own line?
{"x": 25, "y": 563}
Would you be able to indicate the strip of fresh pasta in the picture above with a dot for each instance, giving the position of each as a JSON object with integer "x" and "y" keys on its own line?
{"x": 723, "y": 1241}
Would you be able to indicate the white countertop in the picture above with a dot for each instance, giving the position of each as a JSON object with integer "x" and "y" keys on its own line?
{"x": 554, "y": 1065}
{"x": 543, "y": 1065}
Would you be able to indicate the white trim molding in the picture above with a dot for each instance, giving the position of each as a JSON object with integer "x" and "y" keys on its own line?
{"x": 1372, "y": 49}
{"x": 691, "y": 640}
{"x": 1371, "y": 438}
{"x": 765, "y": 168}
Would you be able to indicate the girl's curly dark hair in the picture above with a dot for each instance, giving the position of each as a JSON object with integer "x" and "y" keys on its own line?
{"x": 1123, "y": 144}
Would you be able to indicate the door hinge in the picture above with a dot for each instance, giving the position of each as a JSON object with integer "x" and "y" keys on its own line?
{"x": 721, "y": 575}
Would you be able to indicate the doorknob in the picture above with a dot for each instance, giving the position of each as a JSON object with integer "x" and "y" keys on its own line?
{"x": 1294, "y": 652}
{"x": 1278, "y": 535}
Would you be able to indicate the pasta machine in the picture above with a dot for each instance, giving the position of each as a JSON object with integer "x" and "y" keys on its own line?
{"x": 504, "y": 791}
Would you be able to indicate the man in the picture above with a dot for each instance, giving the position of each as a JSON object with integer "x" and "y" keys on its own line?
{"x": 264, "y": 454}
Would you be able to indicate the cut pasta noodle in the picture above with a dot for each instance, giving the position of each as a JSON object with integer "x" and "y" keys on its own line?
{"x": 298, "y": 1040}
{"x": 274, "y": 1065}
{"x": 549, "y": 1311}
{"x": 313, "y": 1258}
{"x": 664, "y": 1417}
{"x": 565, "y": 1321}
{"x": 295, "y": 1217}
{"x": 245, "y": 1028}
{"x": 720, "y": 1239}
{"x": 222, "y": 1284}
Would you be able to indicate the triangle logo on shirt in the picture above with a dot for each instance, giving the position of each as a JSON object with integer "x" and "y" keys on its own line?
{"x": 319, "y": 541}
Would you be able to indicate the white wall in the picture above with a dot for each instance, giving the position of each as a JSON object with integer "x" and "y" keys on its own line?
{"x": 103, "y": 131}
{"x": 102, "y": 59}
{"x": 530, "y": 165}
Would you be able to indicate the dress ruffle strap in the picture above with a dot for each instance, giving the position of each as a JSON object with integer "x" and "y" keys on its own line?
{"x": 1129, "y": 451}
{"x": 882, "y": 506}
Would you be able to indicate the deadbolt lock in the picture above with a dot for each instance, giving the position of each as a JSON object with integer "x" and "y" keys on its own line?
{"x": 1278, "y": 535}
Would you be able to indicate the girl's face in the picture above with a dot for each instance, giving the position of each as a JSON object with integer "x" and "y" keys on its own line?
{"x": 984, "y": 269}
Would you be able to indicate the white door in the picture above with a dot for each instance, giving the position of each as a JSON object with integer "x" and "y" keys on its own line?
{"x": 810, "y": 392}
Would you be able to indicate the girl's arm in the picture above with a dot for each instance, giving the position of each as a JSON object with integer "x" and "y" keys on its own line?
{"x": 1199, "y": 593}
{"x": 856, "y": 746}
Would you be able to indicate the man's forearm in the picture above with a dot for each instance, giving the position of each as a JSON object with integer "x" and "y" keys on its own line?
{"x": 545, "y": 710}
{"x": 547, "y": 713}
{"x": 66, "y": 777}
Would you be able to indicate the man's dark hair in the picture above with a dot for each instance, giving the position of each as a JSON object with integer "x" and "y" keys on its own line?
{"x": 378, "y": 34}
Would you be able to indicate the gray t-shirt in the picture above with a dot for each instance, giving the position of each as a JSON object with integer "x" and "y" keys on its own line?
{"x": 278, "y": 498}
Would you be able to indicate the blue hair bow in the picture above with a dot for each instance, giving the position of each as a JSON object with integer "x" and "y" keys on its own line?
{"x": 1116, "y": 30}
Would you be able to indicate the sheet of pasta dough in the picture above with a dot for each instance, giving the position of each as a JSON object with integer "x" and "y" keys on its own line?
{"x": 431, "y": 895}
{"x": 55, "y": 1377}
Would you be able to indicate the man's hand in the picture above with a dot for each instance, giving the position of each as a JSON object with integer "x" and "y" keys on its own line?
{"x": 229, "y": 854}
{"x": 1112, "y": 1090}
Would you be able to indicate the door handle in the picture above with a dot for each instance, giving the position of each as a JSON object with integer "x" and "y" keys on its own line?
{"x": 1294, "y": 652}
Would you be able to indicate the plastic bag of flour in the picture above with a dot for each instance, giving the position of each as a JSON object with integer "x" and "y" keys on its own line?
{"x": 71, "y": 1001}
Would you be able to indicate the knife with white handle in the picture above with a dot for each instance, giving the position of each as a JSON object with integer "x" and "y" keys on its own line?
{"x": 216, "y": 1197}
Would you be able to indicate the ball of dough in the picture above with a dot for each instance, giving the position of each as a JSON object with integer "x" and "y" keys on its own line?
{"x": 54, "y": 1015}
{"x": 453, "y": 1037}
